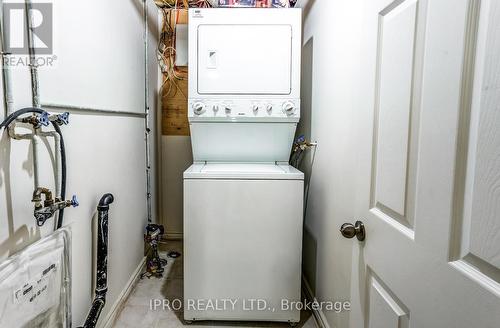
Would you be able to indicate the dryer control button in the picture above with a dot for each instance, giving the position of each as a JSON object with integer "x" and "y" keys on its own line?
{"x": 198, "y": 108}
{"x": 269, "y": 108}
{"x": 288, "y": 108}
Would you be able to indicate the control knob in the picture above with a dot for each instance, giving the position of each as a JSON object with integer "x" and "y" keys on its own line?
{"x": 215, "y": 108}
{"x": 269, "y": 108}
{"x": 288, "y": 108}
{"x": 198, "y": 108}
{"x": 228, "y": 110}
{"x": 255, "y": 108}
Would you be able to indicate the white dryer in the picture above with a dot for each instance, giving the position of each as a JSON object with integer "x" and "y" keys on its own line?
{"x": 242, "y": 201}
{"x": 244, "y": 83}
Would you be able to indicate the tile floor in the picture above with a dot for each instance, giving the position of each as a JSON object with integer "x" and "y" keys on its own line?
{"x": 136, "y": 311}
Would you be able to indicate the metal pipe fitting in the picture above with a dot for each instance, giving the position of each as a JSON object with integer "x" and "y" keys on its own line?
{"x": 44, "y": 213}
{"x": 38, "y": 192}
{"x": 9, "y": 122}
{"x": 60, "y": 119}
{"x": 37, "y": 120}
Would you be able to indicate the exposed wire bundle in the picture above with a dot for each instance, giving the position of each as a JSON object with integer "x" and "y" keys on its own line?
{"x": 166, "y": 51}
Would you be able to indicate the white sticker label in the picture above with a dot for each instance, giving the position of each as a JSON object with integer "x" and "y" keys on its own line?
{"x": 38, "y": 286}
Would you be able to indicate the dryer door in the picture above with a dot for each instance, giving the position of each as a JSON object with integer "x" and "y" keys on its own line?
{"x": 244, "y": 59}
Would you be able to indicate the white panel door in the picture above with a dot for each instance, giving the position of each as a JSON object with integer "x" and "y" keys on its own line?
{"x": 429, "y": 172}
{"x": 244, "y": 59}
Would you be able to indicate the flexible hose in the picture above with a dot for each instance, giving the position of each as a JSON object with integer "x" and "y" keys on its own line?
{"x": 12, "y": 117}
{"x": 9, "y": 119}
{"x": 63, "y": 174}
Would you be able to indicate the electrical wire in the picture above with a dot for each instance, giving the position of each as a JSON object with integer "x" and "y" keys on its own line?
{"x": 166, "y": 51}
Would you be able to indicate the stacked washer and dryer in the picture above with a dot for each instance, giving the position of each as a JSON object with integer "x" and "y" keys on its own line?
{"x": 242, "y": 201}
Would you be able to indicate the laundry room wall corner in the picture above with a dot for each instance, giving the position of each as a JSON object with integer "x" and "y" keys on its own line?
{"x": 329, "y": 58}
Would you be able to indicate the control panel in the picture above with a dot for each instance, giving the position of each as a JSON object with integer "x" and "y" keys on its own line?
{"x": 243, "y": 108}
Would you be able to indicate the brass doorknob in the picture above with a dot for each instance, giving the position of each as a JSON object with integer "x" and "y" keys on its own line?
{"x": 349, "y": 230}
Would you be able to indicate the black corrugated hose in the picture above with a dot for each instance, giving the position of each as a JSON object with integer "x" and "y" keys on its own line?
{"x": 101, "y": 279}
{"x": 9, "y": 119}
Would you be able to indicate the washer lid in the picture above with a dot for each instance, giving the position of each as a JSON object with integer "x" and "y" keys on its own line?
{"x": 244, "y": 171}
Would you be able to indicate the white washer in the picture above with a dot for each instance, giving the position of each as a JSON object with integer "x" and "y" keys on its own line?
{"x": 242, "y": 241}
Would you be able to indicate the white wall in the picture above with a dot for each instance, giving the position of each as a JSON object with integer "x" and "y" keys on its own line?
{"x": 177, "y": 157}
{"x": 329, "y": 72}
{"x": 100, "y": 64}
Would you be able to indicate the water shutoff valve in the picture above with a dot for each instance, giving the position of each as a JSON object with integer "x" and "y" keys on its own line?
{"x": 61, "y": 119}
{"x": 37, "y": 120}
{"x": 43, "y": 119}
{"x": 74, "y": 201}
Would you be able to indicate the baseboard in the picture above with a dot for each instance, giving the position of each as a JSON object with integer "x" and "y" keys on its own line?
{"x": 172, "y": 236}
{"x": 109, "y": 320}
{"x": 318, "y": 314}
